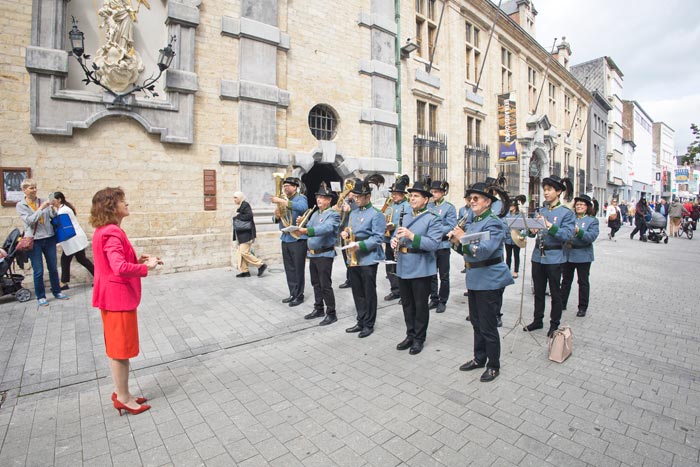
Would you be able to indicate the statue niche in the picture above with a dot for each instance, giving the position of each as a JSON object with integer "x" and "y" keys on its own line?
{"x": 119, "y": 63}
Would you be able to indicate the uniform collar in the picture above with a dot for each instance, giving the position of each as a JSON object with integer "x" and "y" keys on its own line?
{"x": 366, "y": 206}
{"x": 419, "y": 212}
{"x": 552, "y": 208}
{"x": 438, "y": 203}
{"x": 581, "y": 216}
{"x": 483, "y": 215}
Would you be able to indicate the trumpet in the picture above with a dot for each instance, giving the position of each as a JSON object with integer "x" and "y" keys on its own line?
{"x": 352, "y": 254}
{"x": 303, "y": 221}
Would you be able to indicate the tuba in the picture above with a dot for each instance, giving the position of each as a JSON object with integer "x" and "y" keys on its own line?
{"x": 285, "y": 215}
{"x": 352, "y": 254}
{"x": 349, "y": 185}
{"x": 302, "y": 223}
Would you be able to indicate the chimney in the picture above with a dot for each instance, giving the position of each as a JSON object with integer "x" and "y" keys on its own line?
{"x": 524, "y": 14}
{"x": 563, "y": 53}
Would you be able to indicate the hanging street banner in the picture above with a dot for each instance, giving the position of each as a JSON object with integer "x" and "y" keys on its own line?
{"x": 507, "y": 129}
{"x": 681, "y": 175}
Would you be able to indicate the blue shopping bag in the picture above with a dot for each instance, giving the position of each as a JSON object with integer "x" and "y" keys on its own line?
{"x": 63, "y": 227}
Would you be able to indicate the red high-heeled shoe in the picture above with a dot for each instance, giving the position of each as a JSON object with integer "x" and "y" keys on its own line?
{"x": 139, "y": 400}
{"x": 119, "y": 406}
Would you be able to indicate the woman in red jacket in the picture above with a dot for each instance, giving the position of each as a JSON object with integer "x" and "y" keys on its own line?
{"x": 117, "y": 290}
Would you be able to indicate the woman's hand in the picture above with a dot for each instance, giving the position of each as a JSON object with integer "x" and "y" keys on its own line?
{"x": 394, "y": 242}
{"x": 403, "y": 232}
{"x": 150, "y": 261}
{"x": 456, "y": 233}
{"x": 44, "y": 205}
{"x": 303, "y": 231}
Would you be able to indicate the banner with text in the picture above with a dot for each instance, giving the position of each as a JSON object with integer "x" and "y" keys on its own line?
{"x": 681, "y": 175}
{"x": 507, "y": 129}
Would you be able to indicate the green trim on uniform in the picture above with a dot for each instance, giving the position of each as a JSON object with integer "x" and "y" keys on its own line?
{"x": 580, "y": 233}
{"x": 363, "y": 247}
{"x": 416, "y": 241}
{"x": 310, "y": 232}
{"x": 553, "y": 229}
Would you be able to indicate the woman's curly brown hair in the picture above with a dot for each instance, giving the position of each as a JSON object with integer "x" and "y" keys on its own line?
{"x": 104, "y": 206}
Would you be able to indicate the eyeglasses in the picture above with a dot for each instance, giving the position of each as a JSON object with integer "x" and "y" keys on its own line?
{"x": 474, "y": 198}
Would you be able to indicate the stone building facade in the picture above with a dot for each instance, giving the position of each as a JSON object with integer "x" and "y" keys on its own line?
{"x": 319, "y": 90}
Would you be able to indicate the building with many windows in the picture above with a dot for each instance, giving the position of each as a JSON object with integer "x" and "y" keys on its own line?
{"x": 663, "y": 141}
{"x": 319, "y": 90}
{"x": 637, "y": 130}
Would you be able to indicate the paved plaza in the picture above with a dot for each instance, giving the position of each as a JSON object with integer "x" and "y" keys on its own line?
{"x": 235, "y": 377}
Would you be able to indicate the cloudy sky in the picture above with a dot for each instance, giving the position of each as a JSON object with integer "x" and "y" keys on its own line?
{"x": 655, "y": 43}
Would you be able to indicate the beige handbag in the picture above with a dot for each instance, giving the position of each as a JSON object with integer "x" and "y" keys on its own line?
{"x": 560, "y": 344}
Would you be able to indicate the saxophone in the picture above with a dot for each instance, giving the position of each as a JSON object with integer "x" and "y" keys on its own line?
{"x": 349, "y": 185}
{"x": 388, "y": 215}
{"x": 352, "y": 254}
{"x": 304, "y": 220}
{"x": 285, "y": 215}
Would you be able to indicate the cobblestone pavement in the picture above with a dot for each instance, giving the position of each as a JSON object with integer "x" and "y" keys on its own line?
{"x": 236, "y": 377}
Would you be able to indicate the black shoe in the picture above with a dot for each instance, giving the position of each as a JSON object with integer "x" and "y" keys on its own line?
{"x": 463, "y": 271}
{"x": 355, "y": 328}
{"x": 392, "y": 296}
{"x": 581, "y": 313}
{"x": 262, "y": 269}
{"x": 563, "y": 307}
{"x": 552, "y": 328}
{"x": 631, "y": 236}
{"x": 65, "y": 287}
{"x": 329, "y": 319}
{"x": 365, "y": 332}
{"x": 441, "y": 308}
{"x": 466, "y": 294}
{"x": 314, "y": 314}
{"x": 489, "y": 375}
{"x": 344, "y": 285}
{"x": 499, "y": 322}
{"x": 288, "y": 299}
{"x": 404, "y": 344}
{"x": 533, "y": 326}
{"x": 400, "y": 302}
{"x": 433, "y": 305}
{"x": 243, "y": 274}
{"x": 471, "y": 365}
{"x": 416, "y": 348}
{"x": 297, "y": 301}
{"x": 469, "y": 318}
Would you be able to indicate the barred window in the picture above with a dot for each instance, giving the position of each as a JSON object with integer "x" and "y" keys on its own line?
{"x": 476, "y": 164}
{"x": 512, "y": 174}
{"x": 323, "y": 122}
{"x": 430, "y": 156}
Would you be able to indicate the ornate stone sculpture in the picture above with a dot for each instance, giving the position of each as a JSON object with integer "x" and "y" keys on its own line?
{"x": 118, "y": 61}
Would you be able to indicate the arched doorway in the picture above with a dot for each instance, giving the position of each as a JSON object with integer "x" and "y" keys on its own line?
{"x": 536, "y": 173}
{"x": 313, "y": 178}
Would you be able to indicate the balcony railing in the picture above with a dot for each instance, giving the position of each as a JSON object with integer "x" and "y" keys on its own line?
{"x": 476, "y": 164}
{"x": 430, "y": 156}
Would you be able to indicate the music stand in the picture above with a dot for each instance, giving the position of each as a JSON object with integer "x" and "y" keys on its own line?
{"x": 519, "y": 322}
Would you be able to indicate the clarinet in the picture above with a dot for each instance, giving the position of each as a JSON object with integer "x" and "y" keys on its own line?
{"x": 397, "y": 250}
{"x": 540, "y": 239}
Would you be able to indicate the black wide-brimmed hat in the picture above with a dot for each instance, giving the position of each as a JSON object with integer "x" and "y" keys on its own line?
{"x": 554, "y": 181}
{"x": 421, "y": 187}
{"x": 480, "y": 189}
{"x": 291, "y": 181}
{"x": 518, "y": 200}
{"x": 323, "y": 190}
{"x": 400, "y": 184}
{"x": 440, "y": 185}
{"x": 584, "y": 198}
{"x": 361, "y": 187}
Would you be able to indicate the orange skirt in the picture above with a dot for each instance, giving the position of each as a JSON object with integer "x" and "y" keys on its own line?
{"x": 121, "y": 332}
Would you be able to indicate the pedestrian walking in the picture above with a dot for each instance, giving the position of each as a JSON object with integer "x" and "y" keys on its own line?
{"x": 642, "y": 214}
{"x": 244, "y": 233}
{"x": 614, "y": 215}
{"x": 73, "y": 247}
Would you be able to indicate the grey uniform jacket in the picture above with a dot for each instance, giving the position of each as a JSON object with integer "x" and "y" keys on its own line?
{"x": 581, "y": 250}
{"x": 448, "y": 215}
{"x": 562, "y": 229}
{"x": 323, "y": 233}
{"x": 494, "y": 276}
{"x": 419, "y": 258}
{"x": 368, "y": 225}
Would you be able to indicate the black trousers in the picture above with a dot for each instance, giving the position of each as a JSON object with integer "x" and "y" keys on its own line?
{"x": 414, "y": 300}
{"x": 584, "y": 287}
{"x": 513, "y": 251}
{"x": 640, "y": 226}
{"x": 345, "y": 262}
{"x": 320, "y": 270}
{"x": 443, "y": 267}
{"x": 294, "y": 258}
{"x": 82, "y": 259}
{"x": 391, "y": 269}
{"x": 541, "y": 274}
{"x": 484, "y": 308}
{"x": 364, "y": 293}
{"x": 614, "y": 227}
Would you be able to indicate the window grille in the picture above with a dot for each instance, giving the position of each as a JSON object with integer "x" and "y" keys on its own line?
{"x": 556, "y": 169}
{"x": 430, "y": 156}
{"x": 323, "y": 122}
{"x": 476, "y": 164}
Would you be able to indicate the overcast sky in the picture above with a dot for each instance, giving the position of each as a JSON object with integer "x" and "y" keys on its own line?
{"x": 655, "y": 43}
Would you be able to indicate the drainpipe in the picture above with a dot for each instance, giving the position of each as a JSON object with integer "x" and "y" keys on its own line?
{"x": 397, "y": 18}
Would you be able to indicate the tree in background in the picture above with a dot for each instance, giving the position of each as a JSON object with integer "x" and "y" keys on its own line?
{"x": 693, "y": 154}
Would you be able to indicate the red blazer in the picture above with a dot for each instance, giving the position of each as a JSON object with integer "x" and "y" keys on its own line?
{"x": 117, "y": 272}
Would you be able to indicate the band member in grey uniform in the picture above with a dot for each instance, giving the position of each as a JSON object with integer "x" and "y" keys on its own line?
{"x": 448, "y": 214}
{"x": 397, "y": 192}
{"x": 322, "y": 230}
{"x": 293, "y": 249}
{"x": 548, "y": 255}
{"x": 368, "y": 225}
{"x": 487, "y": 277}
{"x": 579, "y": 253}
{"x": 416, "y": 240}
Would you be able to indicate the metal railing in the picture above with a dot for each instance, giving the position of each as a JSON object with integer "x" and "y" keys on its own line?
{"x": 430, "y": 156}
{"x": 476, "y": 164}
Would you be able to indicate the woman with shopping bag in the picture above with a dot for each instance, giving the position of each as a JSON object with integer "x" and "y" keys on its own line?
{"x": 73, "y": 245}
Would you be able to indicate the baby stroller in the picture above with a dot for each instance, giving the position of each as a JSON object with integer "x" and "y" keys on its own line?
{"x": 10, "y": 282}
{"x": 656, "y": 228}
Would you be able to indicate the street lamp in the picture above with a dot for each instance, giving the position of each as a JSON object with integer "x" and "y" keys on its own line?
{"x": 77, "y": 42}
{"x": 408, "y": 48}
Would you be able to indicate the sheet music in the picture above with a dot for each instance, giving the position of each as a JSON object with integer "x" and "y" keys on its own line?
{"x": 532, "y": 223}
{"x": 290, "y": 229}
{"x": 267, "y": 197}
{"x": 475, "y": 237}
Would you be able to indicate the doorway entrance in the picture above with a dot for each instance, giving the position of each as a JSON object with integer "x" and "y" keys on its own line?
{"x": 533, "y": 194}
{"x": 313, "y": 178}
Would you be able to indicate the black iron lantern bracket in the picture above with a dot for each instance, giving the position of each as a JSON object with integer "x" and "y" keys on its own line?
{"x": 77, "y": 40}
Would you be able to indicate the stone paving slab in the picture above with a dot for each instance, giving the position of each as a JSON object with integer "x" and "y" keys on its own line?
{"x": 237, "y": 378}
